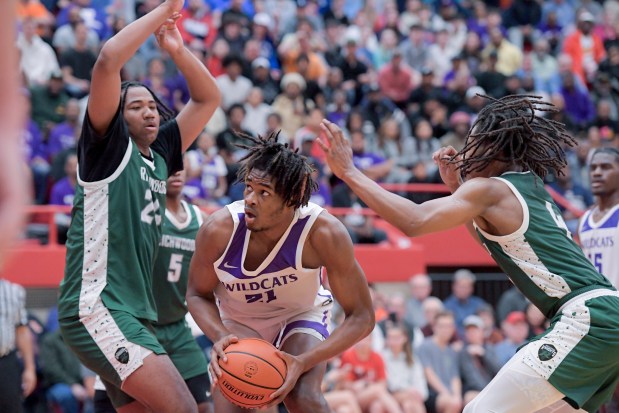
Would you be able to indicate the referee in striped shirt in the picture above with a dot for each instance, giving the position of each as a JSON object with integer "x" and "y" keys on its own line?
{"x": 15, "y": 336}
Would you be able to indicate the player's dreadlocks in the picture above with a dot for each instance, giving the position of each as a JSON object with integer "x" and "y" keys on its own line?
{"x": 165, "y": 113}
{"x": 291, "y": 171}
{"x": 508, "y": 130}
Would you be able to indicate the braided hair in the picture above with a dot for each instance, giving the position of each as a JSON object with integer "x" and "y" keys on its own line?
{"x": 509, "y": 130}
{"x": 165, "y": 113}
{"x": 291, "y": 171}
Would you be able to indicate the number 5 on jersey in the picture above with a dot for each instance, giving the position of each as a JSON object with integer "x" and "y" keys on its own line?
{"x": 175, "y": 268}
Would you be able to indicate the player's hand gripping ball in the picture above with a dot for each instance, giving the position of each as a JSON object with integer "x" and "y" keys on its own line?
{"x": 252, "y": 373}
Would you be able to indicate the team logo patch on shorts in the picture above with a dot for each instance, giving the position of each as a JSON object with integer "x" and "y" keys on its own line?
{"x": 122, "y": 355}
{"x": 546, "y": 352}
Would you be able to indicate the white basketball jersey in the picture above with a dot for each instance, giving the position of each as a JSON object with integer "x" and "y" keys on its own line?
{"x": 280, "y": 287}
{"x": 600, "y": 242}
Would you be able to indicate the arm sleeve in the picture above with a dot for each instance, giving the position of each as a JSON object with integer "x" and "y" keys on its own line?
{"x": 100, "y": 155}
{"x": 168, "y": 145}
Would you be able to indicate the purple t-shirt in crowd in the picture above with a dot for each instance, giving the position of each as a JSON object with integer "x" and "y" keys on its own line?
{"x": 61, "y": 137}
{"x": 194, "y": 190}
{"x": 366, "y": 160}
{"x": 63, "y": 193}
{"x": 32, "y": 142}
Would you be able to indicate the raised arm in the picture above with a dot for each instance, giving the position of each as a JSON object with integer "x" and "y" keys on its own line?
{"x": 470, "y": 200}
{"x": 349, "y": 287}
{"x": 203, "y": 91}
{"x": 105, "y": 84}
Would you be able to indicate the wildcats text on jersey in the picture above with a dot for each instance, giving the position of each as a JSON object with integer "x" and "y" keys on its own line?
{"x": 265, "y": 284}
{"x": 155, "y": 184}
{"x": 598, "y": 242}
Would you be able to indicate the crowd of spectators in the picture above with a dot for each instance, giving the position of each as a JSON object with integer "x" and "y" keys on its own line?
{"x": 402, "y": 77}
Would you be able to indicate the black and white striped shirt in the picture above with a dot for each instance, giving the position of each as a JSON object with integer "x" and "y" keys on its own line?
{"x": 12, "y": 314}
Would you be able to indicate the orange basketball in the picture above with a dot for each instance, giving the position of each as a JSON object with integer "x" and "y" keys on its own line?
{"x": 252, "y": 373}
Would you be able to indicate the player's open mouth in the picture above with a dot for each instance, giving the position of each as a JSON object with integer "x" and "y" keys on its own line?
{"x": 249, "y": 217}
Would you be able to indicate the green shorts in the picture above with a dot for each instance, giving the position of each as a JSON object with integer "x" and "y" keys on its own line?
{"x": 182, "y": 348}
{"x": 111, "y": 343}
{"x": 579, "y": 353}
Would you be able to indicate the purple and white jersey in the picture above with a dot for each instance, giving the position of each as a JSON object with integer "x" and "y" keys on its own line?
{"x": 600, "y": 242}
{"x": 280, "y": 288}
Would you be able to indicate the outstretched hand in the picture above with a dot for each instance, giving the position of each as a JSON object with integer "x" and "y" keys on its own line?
{"x": 168, "y": 36}
{"x": 448, "y": 169}
{"x": 337, "y": 149}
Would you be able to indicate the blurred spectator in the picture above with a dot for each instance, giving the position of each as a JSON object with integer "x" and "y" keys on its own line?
{"x": 509, "y": 57}
{"x": 462, "y": 303}
{"x": 256, "y": 113}
{"x": 197, "y": 22}
{"x": 65, "y": 35}
{"x": 38, "y": 60}
{"x": 308, "y": 133}
{"x": 521, "y": 18}
{"x": 491, "y": 333}
{"x": 367, "y": 378}
{"x": 585, "y": 47}
{"x": 431, "y": 306}
{"x": 440, "y": 363}
{"x": 425, "y": 144}
{"x": 33, "y": 10}
{"x": 35, "y": 154}
{"x": 62, "y": 374}
{"x": 397, "y": 80}
{"x": 263, "y": 33}
{"x": 405, "y": 374}
{"x": 459, "y": 123}
{"x": 262, "y": 79}
{"x": 62, "y": 193}
{"x": 235, "y": 85}
{"x": 234, "y": 33}
{"x": 77, "y": 63}
{"x": 562, "y": 10}
{"x": 205, "y": 164}
{"x": 354, "y": 71}
{"x": 516, "y": 330}
{"x": 94, "y": 16}
{"x": 376, "y": 107}
{"x": 425, "y": 91}
{"x": 420, "y": 288}
{"x": 440, "y": 54}
{"x": 313, "y": 91}
{"x": 290, "y": 104}
{"x": 360, "y": 227}
{"x": 396, "y": 307}
{"x": 511, "y": 300}
{"x": 579, "y": 107}
{"x": 215, "y": 59}
{"x": 294, "y": 46}
{"x": 399, "y": 149}
{"x": 477, "y": 360}
{"x": 610, "y": 66}
{"x": 415, "y": 48}
{"x": 388, "y": 44}
{"x": 490, "y": 79}
{"x": 338, "y": 110}
{"x": 229, "y": 137}
{"x": 544, "y": 66}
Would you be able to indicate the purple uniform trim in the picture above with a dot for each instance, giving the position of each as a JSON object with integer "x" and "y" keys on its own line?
{"x": 313, "y": 325}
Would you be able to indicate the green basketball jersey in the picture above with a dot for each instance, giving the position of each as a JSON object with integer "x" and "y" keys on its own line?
{"x": 541, "y": 258}
{"x": 113, "y": 239}
{"x": 171, "y": 272}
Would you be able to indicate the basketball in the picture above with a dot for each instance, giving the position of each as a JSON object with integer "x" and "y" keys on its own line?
{"x": 252, "y": 373}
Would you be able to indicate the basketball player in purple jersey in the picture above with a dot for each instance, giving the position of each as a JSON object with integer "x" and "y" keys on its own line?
{"x": 256, "y": 272}
{"x": 13, "y": 184}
